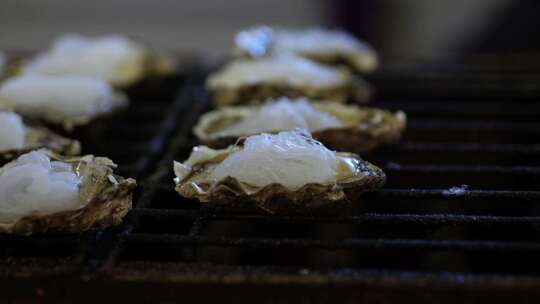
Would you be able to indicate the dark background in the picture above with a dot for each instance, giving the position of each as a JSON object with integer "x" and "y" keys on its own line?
{"x": 400, "y": 30}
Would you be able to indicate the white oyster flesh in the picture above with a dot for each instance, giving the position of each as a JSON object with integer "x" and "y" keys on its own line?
{"x": 59, "y": 98}
{"x": 12, "y": 131}
{"x": 110, "y": 57}
{"x": 283, "y": 114}
{"x": 256, "y": 40}
{"x": 317, "y": 40}
{"x": 35, "y": 184}
{"x": 291, "y": 158}
{"x": 288, "y": 68}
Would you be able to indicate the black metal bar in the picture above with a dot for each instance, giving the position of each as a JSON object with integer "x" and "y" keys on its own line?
{"x": 355, "y": 219}
{"x": 351, "y": 244}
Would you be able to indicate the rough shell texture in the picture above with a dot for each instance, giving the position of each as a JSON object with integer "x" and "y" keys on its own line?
{"x": 38, "y": 138}
{"x": 354, "y": 89}
{"x": 231, "y": 194}
{"x": 364, "y": 128}
{"x": 107, "y": 198}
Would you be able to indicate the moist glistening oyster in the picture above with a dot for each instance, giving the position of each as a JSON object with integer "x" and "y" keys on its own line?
{"x": 117, "y": 59}
{"x": 42, "y": 191}
{"x": 246, "y": 81}
{"x": 285, "y": 173}
{"x": 69, "y": 101}
{"x": 16, "y": 138}
{"x": 323, "y": 45}
{"x": 340, "y": 127}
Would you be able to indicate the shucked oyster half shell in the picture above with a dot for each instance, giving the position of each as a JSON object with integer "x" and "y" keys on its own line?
{"x": 67, "y": 100}
{"x": 105, "y": 199}
{"x": 323, "y": 45}
{"x": 119, "y": 60}
{"x": 40, "y": 137}
{"x": 362, "y": 129}
{"x": 253, "y": 81}
{"x": 195, "y": 180}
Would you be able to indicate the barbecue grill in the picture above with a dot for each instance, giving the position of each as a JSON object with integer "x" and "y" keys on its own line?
{"x": 457, "y": 221}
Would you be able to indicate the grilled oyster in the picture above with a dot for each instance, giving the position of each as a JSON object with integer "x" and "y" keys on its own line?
{"x": 339, "y": 127}
{"x": 42, "y": 191}
{"x": 322, "y": 45}
{"x": 285, "y": 173}
{"x": 66, "y": 100}
{"x": 16, "y": 138}
{"x": 117, "y": 59}
{"x": 250, "y": 81}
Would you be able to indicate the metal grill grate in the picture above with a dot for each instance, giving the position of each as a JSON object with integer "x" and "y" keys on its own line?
{"x": 416, "y": 239}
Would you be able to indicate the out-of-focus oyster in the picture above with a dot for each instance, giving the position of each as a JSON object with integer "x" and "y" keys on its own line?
{"x": 117, "y": 59}
{"x": 251, "y": 81}
{"x": 322, "y": 45}
{"x": 66, "y": 100}
{"x": 3, "y": 64}
{"x": 16, "y": 138}
{"x": 41, "y": 191}
{"x": 285, "y": 173}
{"x": 339, "y": 127}
{"x": 10, "y": 64}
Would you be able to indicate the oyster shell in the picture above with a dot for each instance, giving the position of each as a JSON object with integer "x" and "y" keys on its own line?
{"x": 104, "y": 199}
{"x": 323, "y": 45}
{"x": 69, "y": 101}
{"x": 359, "y": 129}
{"x": 251, "y": 81}
{"x": 301, "y": 192}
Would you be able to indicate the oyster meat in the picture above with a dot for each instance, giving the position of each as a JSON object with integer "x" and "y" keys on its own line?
{"x": 285, "y": 173}
{"x": 338, "y": 126}
{"x": 42, "y": 191}
{"x": 16, "y": 138}
{"x": 113, "y": 58}
{"x": 246, "y": 81}
{"x": 66, "y": 100}
{"x": 319, "y": 44}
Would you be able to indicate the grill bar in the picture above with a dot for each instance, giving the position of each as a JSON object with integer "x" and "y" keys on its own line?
{"x": 429, "y": 219}
{"x": 282, "y": 275}
{"x": 177, "y": 240}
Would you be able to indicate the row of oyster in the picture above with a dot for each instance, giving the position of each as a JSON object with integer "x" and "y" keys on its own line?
{"x": 76, "y": 82}
{"x": 279, "y": 108}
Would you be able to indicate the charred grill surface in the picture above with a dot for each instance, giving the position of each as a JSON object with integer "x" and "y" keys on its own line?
{"x": 459, "y": 218}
